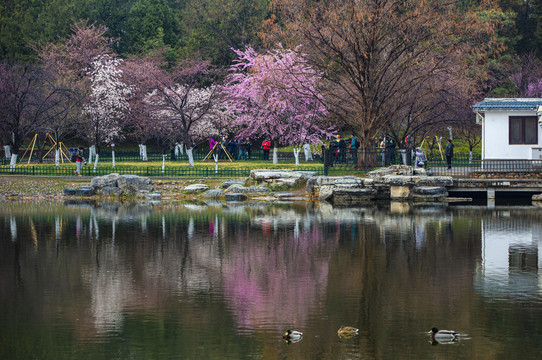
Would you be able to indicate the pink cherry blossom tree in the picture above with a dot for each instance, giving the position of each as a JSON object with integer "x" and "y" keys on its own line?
{"x": 276, "y": 96}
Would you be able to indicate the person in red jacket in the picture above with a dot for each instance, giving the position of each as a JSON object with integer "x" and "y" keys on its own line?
{"x": 266, "y": 145}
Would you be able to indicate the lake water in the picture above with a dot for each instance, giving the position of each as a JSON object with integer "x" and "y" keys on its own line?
{"x": 144, "y": 281}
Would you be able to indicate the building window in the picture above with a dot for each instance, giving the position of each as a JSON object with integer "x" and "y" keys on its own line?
{"x": 523, "y": 130}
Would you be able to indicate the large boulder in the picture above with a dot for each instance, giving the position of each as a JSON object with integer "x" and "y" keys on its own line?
{"x": 281, "y": 178}
{"x": 101, "y": 182}
{"x": 319, "y": 184}
{"x": 85, "y": 191}
{"x": 110, "y": 191}
{"x": 195, "y": 188}
{"x": 133, "y": 184}
{"x": 214, "y": 193}
{"x": 352, "y": 196}
{"x": 253, "y": 190}
{"x": 402, "y": 170}
{"x": 398, "y": 180}
{"x": 70, "y": 191}
{"x": 227, "y": 184}
{"x": 235, "y": 197}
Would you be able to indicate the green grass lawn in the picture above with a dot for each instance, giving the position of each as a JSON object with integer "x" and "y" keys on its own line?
{"x": 176, "y": 168}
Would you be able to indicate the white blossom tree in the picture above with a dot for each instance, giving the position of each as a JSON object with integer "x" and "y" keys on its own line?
{"x": 107, "y": 103}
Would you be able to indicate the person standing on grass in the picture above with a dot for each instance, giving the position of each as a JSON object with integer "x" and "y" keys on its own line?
{"x": 449, "y": 152}
{"x": 79, "y": 158}
{"x": 242, "y": 149}
{"x": 266, "y": 145}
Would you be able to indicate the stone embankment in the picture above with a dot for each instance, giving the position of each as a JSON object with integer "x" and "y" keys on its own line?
{"x": 395, "y": 182}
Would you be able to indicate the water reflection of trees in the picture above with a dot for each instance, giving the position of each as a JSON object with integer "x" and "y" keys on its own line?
{"x": 257, "y": 268}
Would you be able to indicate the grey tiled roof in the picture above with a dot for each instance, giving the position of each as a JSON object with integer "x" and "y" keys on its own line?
{"x": 508, "y": 104}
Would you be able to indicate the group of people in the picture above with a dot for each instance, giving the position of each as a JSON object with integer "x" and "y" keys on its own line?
{"x": 388, "y": 147}
{"x": 238, "y": 149}
{"x": 339, "y": 148}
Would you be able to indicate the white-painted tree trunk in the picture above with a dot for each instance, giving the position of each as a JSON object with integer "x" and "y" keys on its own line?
{"x": 178, "y": 149}
{"x": 144, "y": 155}
{"x": 308, "y": 152}
{"x": 113, "y": 159}
{"x": 57, "y": 157}
{"x": 163, "y": 163}
{"x": 470, "y": 157}
{"x": 296, "y": 155}
{"x": 215, "y": 156}
{"x": 181, "y": 148}
{"x": 13, "y": 162}
{"x": 91, "y": 153}
{"x": 96, "y": 163}
{"x": 275, "y": 155}
{"x": 190, "y": 153}
{"x": 7, "y": 150}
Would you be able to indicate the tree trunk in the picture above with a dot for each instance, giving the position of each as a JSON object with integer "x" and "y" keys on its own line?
{"x": 143, "y": 152}
{"x": 179, "y": 149}
{"x": 163, "y": 163}
{"x": 91, "y": 153}
{"x": 7, "y": 150}
{"x": 13, "y": 162}
{"x": 308, "y": 152}
{"x": 190, "y": 154}
{"x": 275, "y": 155}
{"x": 296, "y": 155}
{"x": 215, "y": 156}
{"x": 57, "y": 157}
{"x": 96, "y": 163}
{"x": 113, "y": 158}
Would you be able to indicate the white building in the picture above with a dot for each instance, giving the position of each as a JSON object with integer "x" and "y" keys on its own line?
{"x": 510, "y": 128}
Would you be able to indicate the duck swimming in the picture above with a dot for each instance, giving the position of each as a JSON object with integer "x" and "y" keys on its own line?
{"x": 443, "y": 334}
{"x": 346, "y": 332}
{"x": 292, "y": 335}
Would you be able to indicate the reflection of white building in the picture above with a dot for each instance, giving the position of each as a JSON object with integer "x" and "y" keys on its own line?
{"x": 510, "y": 257}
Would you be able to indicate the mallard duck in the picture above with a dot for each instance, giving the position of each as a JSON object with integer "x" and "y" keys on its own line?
{"x": 292, "y": 335}
{"x": 347, "y": 331}
{"x": 443, "y": 334}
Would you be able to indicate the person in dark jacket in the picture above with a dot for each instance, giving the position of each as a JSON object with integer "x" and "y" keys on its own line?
{"x": 242, "y": 149}
{"x": 79, "y": 159}
{"x": 449, "y": 153}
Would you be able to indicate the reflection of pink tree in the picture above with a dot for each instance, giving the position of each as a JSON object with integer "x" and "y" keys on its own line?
{"x": 282, "y": 281}
{"x": 276, "y": 96}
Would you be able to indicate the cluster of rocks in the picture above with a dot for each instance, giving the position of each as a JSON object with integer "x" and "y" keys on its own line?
{"x": 280, "y": 178}
{"x": 116, "y": 185}
{"x": 396, "y": 182}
